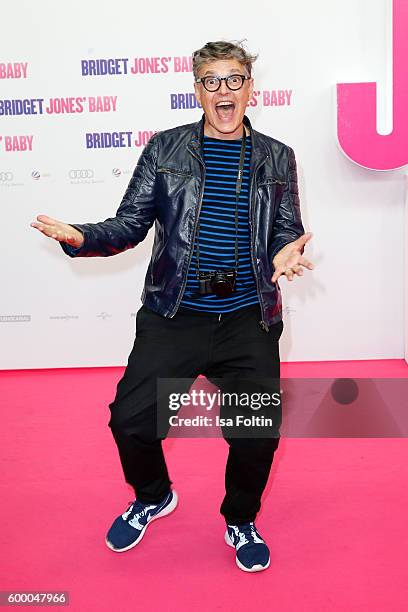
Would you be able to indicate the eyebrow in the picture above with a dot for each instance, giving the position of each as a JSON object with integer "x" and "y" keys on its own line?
{"x": 213, "y": 73}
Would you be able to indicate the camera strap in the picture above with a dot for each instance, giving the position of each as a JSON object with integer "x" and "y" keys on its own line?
{"x": 237, "y": 194}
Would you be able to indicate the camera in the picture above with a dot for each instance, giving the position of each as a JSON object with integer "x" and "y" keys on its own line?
{"x": 219, "y": 282}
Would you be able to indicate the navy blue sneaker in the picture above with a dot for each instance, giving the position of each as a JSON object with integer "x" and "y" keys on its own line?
{"x": 129, "y": 528}
{"x": 252, "y": 552}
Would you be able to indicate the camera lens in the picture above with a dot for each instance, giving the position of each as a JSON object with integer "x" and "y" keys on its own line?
{"x": 222, "y": 289}
{"x": 221, "y": 285}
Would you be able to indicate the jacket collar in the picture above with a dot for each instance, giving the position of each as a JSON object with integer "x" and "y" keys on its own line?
{"x": 259, "y": 152}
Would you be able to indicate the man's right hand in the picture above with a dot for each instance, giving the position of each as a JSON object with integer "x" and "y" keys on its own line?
{"x": 62, "y": 232}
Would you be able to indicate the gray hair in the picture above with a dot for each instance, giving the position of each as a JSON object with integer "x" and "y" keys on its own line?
{"x": 222, "y": 50}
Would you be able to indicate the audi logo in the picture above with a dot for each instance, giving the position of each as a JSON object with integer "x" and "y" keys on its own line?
{"x": 6, "y": 176}
{"x": 81, "y": 174}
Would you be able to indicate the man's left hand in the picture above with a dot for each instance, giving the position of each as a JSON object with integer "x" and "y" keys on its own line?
{"x": 290, "y": 261}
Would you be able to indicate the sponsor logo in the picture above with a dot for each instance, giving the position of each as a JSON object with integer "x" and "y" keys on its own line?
{"x": 104, "y": 316}
{"x": 81, "y": 174}
{"x": 134, "y": 522}
{"x": 15, "y": 318}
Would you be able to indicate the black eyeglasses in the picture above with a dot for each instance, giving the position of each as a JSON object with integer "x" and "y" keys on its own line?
{"x": 233, "y": 82}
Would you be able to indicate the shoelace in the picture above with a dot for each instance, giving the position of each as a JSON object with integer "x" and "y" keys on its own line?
{"x": 138, "y": 509}
{"x": 248, "y": 534}
{"x": 135, "y": 508}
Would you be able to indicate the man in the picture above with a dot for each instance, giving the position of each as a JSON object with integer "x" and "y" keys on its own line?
{"x": 225, "y": 204}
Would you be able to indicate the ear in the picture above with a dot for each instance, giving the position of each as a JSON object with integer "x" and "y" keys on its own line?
{"x": 197, "y": 92}
{"x": 250, "y": 88}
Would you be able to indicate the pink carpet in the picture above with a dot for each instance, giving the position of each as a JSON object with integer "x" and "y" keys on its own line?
{"x": 334, "y": 513}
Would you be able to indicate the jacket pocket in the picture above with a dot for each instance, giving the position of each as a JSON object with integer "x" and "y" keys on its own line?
{"x": 174, "y": 171}
{"x": 271, "y": 181}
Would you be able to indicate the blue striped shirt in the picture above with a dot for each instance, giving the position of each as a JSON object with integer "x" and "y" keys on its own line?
{"x": 217, "y": 228}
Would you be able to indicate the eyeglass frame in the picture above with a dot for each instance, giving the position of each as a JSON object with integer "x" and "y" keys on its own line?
{"x": 219, "y": 79}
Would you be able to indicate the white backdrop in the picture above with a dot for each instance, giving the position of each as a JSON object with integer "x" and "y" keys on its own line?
{"x": 58, "y": 312}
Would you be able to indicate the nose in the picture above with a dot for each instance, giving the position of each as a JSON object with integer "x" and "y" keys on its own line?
{"x": 224, "y": 89}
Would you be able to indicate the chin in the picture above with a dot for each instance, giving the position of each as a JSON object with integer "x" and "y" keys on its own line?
{"x": 225, "y": 128}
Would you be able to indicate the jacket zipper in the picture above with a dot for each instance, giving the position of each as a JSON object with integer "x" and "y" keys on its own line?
{"x": 262, "y": 323}
{"x": 193, "y": 240}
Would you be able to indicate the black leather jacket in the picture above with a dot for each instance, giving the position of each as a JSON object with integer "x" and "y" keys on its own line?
{"x": 167, "y": 189}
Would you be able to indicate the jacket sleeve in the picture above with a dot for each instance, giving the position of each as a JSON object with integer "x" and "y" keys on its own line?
{"x": 134, "y": 217}
{"x": 288, "y": 226}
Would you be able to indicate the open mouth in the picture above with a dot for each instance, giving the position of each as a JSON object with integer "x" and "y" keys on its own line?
{"x": 225, "y": 109}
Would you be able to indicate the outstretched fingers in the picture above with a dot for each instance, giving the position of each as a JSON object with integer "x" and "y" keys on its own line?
{"x": 52, "y": 230}
{"x": 292, "y": 270}
{"x": 279, "y": 270}
{"x": 306, "y": 263}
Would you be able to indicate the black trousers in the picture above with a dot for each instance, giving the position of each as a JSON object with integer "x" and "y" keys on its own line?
{"x": 189, "y": 344}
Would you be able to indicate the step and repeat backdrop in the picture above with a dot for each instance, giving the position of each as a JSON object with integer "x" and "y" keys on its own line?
{"x": 84, "y": 86}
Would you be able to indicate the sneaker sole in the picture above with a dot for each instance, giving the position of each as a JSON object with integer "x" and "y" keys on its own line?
{"x": 167, "y": 510}
{"x": 254, "y": 568}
